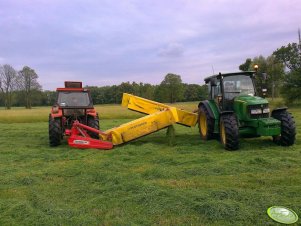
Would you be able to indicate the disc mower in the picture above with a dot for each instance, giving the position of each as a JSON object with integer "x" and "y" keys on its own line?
{"x": 74, "y": 116}
{"x": 235, "y": 109}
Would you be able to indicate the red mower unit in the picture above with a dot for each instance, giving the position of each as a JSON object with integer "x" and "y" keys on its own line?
{"x": 73, "y": 105}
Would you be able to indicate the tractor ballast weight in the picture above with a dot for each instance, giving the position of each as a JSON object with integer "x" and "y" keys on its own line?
{"x": 234, "y": 110}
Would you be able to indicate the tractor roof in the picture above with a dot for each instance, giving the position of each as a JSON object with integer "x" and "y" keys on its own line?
{"x": 249, "y": 73}
{"x": 72, "y": 86}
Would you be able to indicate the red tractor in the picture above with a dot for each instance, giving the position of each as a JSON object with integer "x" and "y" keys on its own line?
{"x": 73, "y": 103}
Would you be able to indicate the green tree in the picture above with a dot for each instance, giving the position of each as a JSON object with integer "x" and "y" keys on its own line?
{"x": 28, "y": 83}
{"x": 171, "y": 88}
{"x": 49, "y": 98}
{"x": 290, "y": 56}
{"x": 194, "y": 92}
{"x": 148, "y": 91}
{"x": 124, "y": 87}
{"x": 246, "y": 66}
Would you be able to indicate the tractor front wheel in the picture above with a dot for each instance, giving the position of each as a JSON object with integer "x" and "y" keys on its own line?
{"x": 229, "y": 135}
{"x": 94, "y": 123}
{"x": 55, "y": 131}
{"x": 206, "y": 123}
{"x": 288, "y": 129}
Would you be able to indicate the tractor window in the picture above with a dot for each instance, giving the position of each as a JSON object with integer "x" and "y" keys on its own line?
{"x": 238, "y": 85}
{"x": 74, "y": 99}
{"x": 216, "y": 90}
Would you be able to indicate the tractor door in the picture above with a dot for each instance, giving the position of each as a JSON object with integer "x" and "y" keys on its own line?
{"x": 215, "y": 91}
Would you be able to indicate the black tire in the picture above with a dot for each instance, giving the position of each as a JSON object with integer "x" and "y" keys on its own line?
{"x": 288, "y": 129}
{"x": 55, "y": 131}
{"x": 229, "y": 132}
{"x": 207, "y": 132}
{"x": 94, "y": 123}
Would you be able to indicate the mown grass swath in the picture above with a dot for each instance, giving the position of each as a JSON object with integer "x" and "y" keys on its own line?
{"x": 144, "y": 182}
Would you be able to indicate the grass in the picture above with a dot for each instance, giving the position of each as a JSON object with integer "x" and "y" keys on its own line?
{"x": 144, "y": 182}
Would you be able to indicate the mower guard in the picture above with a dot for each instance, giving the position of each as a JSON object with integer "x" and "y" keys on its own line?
{"x": 79, "y": 138}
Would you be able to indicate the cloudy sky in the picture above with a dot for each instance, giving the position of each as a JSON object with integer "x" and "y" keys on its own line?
{"x": 105, "y": 42}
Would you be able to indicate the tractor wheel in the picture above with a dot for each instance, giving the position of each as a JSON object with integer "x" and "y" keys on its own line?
{"x": 288, "y": 129}
{"x": 94, "y": 123}
{"x": 229, "y": 135}
{"x": 55, "y": 131}
{"x": 206, "y": 124}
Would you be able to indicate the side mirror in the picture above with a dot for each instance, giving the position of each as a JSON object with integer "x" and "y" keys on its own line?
{"x": 213, "y": 82}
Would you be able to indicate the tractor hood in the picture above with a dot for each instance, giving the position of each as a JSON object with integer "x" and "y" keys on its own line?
{"x": 244, "y": 103}
{"x": 250, "y": 100}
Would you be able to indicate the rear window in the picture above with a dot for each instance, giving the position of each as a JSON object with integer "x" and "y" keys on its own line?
{"x": 73, "y": 99}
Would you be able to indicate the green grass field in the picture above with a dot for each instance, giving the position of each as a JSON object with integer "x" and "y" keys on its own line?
{"x": 144, "y": 182}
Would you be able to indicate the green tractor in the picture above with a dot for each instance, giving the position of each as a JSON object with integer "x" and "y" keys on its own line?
{"x": 235, "y": 110}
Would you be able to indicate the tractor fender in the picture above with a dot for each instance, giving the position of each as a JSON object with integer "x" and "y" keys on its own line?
{"x": 278, "y": 110}
{"x": 92, "y": 112}
{"x": 205, "y": 103}
{"x": 59, "y": 114}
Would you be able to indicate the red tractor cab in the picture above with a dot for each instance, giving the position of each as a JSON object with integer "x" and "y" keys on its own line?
{"x": 73, "y": 103}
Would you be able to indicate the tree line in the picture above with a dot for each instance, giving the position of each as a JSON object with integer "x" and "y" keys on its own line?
{"x": 170, "y": 90}
{"x": 21, "y": 88}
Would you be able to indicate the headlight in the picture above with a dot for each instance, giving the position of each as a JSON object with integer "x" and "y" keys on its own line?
{"x": 256, "y": 111}
{"x": 266, "y": 110}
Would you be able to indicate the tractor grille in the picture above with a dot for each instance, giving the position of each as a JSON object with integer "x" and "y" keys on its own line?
{"x": 258, "y": 106}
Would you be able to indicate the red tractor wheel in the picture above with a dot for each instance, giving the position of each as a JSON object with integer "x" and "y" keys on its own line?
{"x": 55, "y": 131}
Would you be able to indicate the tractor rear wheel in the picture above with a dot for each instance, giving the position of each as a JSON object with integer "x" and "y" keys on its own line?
{"x": 206, "y": 123}
{"x": 229, "y": 135}
{"x": 55, "y": 131}
{"x": 94, "y": 123}
{"x": 288, "y": 129}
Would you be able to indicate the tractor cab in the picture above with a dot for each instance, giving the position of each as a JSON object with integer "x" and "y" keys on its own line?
{"x": 73, "y": 96}
{"x": 224, "y": 89}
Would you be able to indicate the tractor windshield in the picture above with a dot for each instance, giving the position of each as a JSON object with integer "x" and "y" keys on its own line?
{"x": 74, "y": 99}
{"x": 237, "y": 85}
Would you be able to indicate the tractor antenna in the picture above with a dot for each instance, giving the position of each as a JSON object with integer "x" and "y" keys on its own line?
{"x": 212, "y": 69}
{"x": 299, "y": 36}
